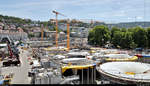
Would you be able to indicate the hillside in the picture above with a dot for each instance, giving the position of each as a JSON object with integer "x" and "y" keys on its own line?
{"x": 130, "y": 24}
{"x": 19, "y": 22}
{"x": 14, "y": 20}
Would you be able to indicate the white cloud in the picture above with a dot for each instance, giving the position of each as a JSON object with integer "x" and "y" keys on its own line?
{"x": 101, "y": 9}
{"x": 57, "y": 3}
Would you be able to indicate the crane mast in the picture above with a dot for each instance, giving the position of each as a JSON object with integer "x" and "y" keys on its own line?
{"x": 56, "y": 37}
{"x": 68, "y": 36}
{"x": 42, "y": 33}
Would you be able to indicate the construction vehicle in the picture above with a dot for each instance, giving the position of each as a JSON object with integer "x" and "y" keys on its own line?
{"x": 6, "y": 79}
{"x": 13, "y": 58}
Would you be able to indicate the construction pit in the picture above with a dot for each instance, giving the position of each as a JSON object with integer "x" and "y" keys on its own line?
{"x": 51, "y": 65}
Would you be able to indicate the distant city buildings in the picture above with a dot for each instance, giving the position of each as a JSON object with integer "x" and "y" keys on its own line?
{"x": 13, "y": 35}
{"x": 13, "y": 32}
{"x": 79, "y": 32}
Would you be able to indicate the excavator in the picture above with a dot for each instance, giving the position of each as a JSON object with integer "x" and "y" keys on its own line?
{"x": 13, "y": 58}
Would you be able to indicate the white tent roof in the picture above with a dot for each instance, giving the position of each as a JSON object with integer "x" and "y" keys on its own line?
{"x": 78, "y": 53}
{"x": 141, "y": 70}
{"x": 74, "y": 60}
{"x": 117, "y": 56}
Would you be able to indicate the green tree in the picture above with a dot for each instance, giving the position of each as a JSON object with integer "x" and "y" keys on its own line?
{"x": 133, "y": 45}
{"x": 126, "y": 40}
{"x": 117, "y": 38}
{"x": 148, "y": 36}
{"x": 99, "y": 35}
{"x": 140, "y": 37}
{"x": 123, "y": 29}
{"x": 130, "y": 29}
{"x": 113, "y": 30}
{"x": 91, "y": 37}
{"x": 122, "y": 39}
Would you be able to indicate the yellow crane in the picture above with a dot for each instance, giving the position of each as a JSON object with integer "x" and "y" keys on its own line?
{"x": 68, "y": 35}
{"x": 56, "y": 39}
{"x": 42, "y": 30}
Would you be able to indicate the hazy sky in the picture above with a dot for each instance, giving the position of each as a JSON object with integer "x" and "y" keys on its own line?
{"x": 102, "y": 10}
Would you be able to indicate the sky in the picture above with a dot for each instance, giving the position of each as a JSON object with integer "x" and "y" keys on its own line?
{"x": 110, "y": 11}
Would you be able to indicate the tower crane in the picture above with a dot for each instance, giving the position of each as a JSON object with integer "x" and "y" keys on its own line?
{"x": 68, "y": 35}
{"x": 56, "y": 39}
{"x": 42, "y": 31}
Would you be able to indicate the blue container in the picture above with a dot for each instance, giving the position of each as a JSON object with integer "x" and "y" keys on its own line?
{"x": 22, "y": 44}
{"x": 146, "y": 56}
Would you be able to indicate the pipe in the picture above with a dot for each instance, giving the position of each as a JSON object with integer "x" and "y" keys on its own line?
{"x": 94, "y": 73}
{"x": 82, "y": 76}
{"x": 88, "y": 76}
{"x": 92, "y": 76}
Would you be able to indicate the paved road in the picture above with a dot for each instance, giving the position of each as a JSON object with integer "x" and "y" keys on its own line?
{"x": 20, "y": 73}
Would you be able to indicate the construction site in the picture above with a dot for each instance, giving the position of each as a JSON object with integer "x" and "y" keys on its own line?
{"x": 62, "y": 59}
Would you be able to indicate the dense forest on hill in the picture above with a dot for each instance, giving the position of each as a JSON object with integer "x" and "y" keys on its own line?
{"x": 10, "y": 19}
